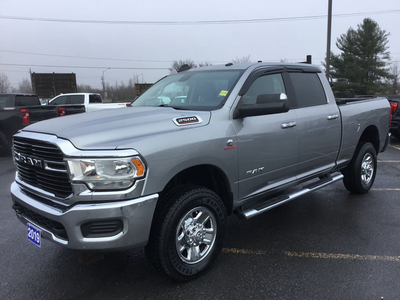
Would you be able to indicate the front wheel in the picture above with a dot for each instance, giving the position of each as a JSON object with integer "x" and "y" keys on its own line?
{"x": 187, "y": 232}
{"x": 359, "y": 176}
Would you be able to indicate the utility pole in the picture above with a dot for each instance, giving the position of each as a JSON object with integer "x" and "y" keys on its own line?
{"x": 328, "y": 44}
{"x": 103, "y": 81}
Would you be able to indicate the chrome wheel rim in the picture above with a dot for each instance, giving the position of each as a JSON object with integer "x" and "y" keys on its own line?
{"x": 367, "y": 168}
{"x": 195, "y": 235}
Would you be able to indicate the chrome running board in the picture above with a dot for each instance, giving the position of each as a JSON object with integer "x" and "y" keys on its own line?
{"x": 251, "y": 212}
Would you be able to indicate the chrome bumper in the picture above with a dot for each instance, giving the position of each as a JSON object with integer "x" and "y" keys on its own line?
{"x": 134, "y": 216}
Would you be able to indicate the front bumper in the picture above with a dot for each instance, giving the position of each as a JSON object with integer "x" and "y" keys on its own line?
{"x": 131, "y": 221}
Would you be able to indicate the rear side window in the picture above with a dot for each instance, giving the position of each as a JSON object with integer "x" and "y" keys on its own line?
{"x": 26, "y": 101}
{"x": 308, "y": 89}
{"x": 94, "y": 99}
{"x": 77, "y": 99}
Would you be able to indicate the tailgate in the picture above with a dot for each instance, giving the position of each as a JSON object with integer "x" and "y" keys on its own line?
{"x": 41, "y": 112}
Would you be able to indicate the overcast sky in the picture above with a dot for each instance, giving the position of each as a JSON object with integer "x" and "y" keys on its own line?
{"x": 127, "y": 38}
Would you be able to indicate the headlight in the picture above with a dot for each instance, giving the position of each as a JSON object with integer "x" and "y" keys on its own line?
{"x": 107, "y": 173}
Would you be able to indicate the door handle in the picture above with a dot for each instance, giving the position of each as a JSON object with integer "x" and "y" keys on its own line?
{"x": 332, "y": 117}
{"x": 288, "y": 124}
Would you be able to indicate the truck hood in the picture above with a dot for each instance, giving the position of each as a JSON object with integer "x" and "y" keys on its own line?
{"x": 110, "y": 129}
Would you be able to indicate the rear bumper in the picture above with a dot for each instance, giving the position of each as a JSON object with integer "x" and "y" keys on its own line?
{"x": 395, "y": 127}
{"x": 97, "y": 226}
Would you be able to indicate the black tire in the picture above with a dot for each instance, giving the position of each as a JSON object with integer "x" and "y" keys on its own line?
{"x": 359, "y": 176}
{"x": 187, "y": 232}
{"x": 5, "y": 147}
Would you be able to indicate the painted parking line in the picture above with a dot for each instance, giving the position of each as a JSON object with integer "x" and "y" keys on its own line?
{"x": 316, "y": 255}
{"x": 390, "y": 189}
{"x": 341, "y": 256}
{"x": 243, "y": 251}
{"x": 396, "y": 147}
{"x": 388, "y": 161}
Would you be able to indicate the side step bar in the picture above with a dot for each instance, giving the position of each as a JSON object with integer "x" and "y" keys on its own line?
{"x": 249, "y": 213}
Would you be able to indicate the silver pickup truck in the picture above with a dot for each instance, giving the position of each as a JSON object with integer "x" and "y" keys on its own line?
{"x": 198, "y": 146}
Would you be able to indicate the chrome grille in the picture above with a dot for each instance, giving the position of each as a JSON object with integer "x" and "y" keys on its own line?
{"x": 51, "y": 175}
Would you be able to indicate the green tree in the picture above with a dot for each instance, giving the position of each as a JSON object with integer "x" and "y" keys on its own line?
{"x": 363, "y": 65}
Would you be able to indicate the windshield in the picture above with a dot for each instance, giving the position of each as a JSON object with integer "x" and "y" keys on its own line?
{"x": 196, "y": 90}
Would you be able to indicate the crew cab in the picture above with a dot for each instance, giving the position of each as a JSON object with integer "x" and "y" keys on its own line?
{"x": 18, "y": 111}
{"x": 196, "y": 147}
{"x": 74, "y": 103}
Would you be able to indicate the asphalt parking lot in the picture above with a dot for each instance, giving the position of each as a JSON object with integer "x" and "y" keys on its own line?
{"x": 327, "y": 245}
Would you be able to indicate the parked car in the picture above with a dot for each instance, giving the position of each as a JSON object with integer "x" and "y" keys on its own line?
{"x": 74, "y": 103}
{"x": 18, "y": 111}
{"x": 233, "y": 139}
{"x": 395, "y": 122}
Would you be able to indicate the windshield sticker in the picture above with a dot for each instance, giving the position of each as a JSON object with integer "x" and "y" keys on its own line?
{"x": 187, "y": 120}
{"x": 223, "y": 93}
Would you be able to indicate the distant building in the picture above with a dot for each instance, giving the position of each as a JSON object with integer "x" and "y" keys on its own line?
{"x": 142, "y": 87}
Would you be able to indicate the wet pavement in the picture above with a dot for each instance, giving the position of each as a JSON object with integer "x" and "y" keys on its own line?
{"x": 326, "y": 245}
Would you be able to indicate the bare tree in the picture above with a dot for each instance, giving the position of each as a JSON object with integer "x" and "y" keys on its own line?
{"x": 176, "y": 65}
{"x": 25, "y": 86}
{"x": 5, "y": 85}
{"x": 205, "y": 64}
{"x": 243, "y": 59}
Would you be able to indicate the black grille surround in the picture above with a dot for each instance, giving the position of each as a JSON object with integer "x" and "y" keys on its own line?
{"x": 55, "y": 227}
{"x": 50, "y": 173}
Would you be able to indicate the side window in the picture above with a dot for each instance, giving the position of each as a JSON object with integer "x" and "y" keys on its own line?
{"x": 77, "y": 99}
{"x": 3, "y": 101}
{"x": 308, "y": 89}
{"x": 94, "y": 99}
{"x": 26, "y": 101}
{"x": 59, "y": 100}
{"x": 264, "y": 85}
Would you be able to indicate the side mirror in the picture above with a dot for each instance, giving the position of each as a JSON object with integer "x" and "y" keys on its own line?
{"x": 267, "y": 104}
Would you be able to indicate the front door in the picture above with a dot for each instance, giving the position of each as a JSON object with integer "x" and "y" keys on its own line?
{"x": 267, "y": 144}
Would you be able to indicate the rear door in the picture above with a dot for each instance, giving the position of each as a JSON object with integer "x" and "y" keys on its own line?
{"x": 318, "y": 122}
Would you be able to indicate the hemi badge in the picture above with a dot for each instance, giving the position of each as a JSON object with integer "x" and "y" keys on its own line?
{"x": 182, "y": 121}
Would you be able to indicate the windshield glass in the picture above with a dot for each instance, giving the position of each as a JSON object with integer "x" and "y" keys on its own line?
{"x": 198, "y": 90}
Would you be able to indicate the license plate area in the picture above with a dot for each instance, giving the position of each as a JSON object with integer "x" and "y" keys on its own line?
{"x": 34, "y": 235}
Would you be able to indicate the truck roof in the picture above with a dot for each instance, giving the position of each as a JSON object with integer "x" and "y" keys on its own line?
{"x": 244, "y": 66}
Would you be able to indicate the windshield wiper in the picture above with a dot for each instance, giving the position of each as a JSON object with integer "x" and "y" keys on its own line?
{"x": 175, "y": 107}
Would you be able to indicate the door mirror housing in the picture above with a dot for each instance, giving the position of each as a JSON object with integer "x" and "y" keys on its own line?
{"x": 267, "y": 104}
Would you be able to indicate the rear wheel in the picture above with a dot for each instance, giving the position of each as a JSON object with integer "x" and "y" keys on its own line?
{"x": 359, "y": 176}
{"x": 187, "y": 233}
